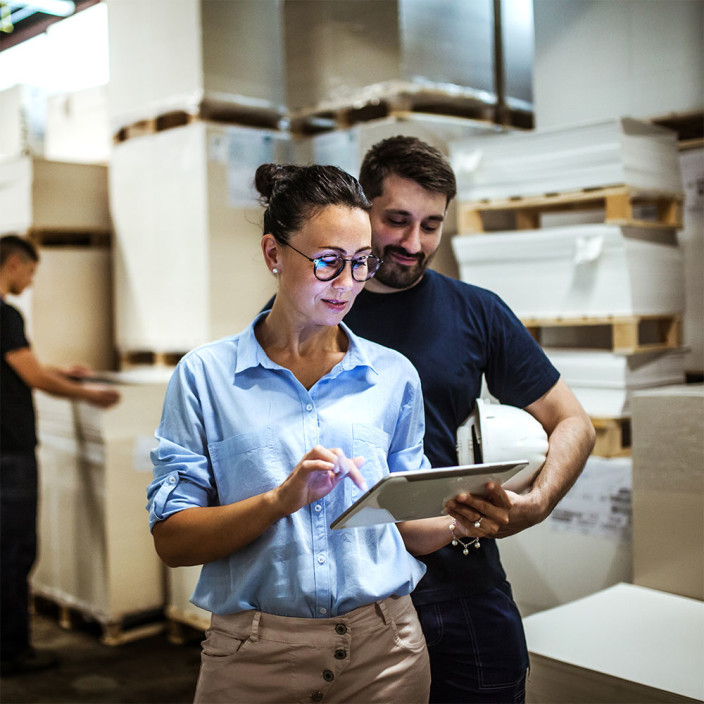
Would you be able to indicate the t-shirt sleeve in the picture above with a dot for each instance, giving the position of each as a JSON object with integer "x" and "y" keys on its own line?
{"x": 12, "y": 335}
{"x": 518, "y": 370}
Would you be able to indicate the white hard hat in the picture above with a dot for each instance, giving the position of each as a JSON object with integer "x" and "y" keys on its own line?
{"x": 495, "y": 432}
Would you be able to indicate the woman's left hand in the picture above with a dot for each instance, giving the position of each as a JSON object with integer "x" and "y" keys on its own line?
{"x": 480, "y": 517}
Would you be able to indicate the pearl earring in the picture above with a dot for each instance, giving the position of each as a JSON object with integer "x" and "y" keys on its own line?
{"x": 274, "y": 271}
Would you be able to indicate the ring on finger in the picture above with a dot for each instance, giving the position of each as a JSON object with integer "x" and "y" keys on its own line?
{"x": 478, "y": 522}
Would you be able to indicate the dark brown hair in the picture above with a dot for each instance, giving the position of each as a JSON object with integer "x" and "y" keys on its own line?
{"x": 292, "y": 194}
{"x": 407, "y": 157}
{"x": 21, "y": 246}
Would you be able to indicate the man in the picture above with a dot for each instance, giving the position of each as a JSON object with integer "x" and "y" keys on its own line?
{"x": 20, "y": 372}
{"x": 454, "y": 333}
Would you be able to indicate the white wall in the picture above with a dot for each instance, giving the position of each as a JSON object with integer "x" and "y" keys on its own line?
{"x": 597, "y": 59}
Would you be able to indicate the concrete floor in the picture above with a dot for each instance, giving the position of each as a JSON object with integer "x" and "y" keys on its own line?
{"x": 148, "y": 670}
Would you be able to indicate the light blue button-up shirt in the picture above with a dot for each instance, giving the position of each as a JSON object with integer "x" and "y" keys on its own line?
{"x": 235, "y": 424}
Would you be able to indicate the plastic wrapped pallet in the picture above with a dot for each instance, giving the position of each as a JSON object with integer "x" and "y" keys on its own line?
{"x": 228, "y": 54}
{"x": 604, "y": 382}
{"x": 68, "y": 310}
{"x": 623, "y": 644}
{"x": 97, "y": 555}
{"x": 22, "y": 119}
{"x": 188, "y": 262}
{"x": 668, "y": 489}
{"x": 593, "y": 521}
{"x": 338, "y": 52}
{"x": 180, "y": 584}
{"x": 580, "y": 271}
{"x": 691, "y": 239}
{"x": 617, "y": 152}
{"x": 78, "y": 127}
{"x": 53, "y": 195}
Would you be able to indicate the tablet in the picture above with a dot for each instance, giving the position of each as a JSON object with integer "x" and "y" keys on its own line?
{"x": 404, "y": 496}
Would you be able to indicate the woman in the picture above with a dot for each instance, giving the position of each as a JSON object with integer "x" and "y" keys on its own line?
{"x": 265, "y": 438}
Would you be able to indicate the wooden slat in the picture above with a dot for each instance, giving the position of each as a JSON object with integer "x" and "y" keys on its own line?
{"x": 618, "y": 202}
{"x": 629, "y": 335}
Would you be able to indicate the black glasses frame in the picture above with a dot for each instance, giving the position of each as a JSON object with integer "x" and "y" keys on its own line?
{"x": 369, "y": 259}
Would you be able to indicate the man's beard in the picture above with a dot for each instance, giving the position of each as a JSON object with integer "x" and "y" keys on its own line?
{"x": 399, "y": 276}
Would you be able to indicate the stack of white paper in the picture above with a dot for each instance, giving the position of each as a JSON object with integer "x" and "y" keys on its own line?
{"x": 188, "y": 260}
{"x": 604, "y": 382}
{"x": 613, "y": 152}
{"x": 579, "y": 271}
{"x": 97, "y": 554}
{"x": 623, "y": 644}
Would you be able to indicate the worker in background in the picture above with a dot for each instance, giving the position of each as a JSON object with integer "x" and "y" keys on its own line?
{"x": 454, "y": 333}
{"x": 20, "y": 373}
{"x": 265, "y": 438}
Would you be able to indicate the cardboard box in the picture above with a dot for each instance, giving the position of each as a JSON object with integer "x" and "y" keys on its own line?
{"x": 40, "y": 194}
{"x": 593, "y": 521}
{"x": 188, "y": 262}
{"x": 580, "y": 271}
{"x": 97, "y": 554}
{"x": 193, "y": 55}
{"x": 668, "y": 489}
{"x": 623, "y": 644}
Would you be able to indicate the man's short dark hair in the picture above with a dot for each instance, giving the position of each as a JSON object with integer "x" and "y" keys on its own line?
{"x": 21, "y": 246}
{"x": 410, "y": 158}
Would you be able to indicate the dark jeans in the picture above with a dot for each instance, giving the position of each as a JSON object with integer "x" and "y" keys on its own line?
{"x": 18, "y": 535}
{"x": 477, "y": 649}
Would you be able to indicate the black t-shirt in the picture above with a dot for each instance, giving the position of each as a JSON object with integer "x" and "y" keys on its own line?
{"x": 454, "y": 333}
{"x": 17, "y": 421}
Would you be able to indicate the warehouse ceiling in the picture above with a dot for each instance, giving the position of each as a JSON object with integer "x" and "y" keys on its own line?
{"x": 20, "y": 21}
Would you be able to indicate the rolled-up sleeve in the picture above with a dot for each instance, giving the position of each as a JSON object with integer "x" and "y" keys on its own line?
{"x": 182, "y": 474}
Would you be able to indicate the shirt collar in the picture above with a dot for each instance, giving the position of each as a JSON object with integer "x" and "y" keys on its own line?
{"x": 250, "y": 353}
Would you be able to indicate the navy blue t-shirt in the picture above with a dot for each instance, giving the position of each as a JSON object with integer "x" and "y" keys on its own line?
{"x": 454, "y": 333}
{"x": 17, "y": 420}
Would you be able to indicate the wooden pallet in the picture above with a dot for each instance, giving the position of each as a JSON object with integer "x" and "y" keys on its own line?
{"x": 399, "y": 99}
{"x": 618, "y": 202}
{"x": 629, "y": 334}
{"x": 112, "y": 631}
{"x": 239, "y": 115}
{"x": 43, "y": 237}
{"x": 688, "y": 125}
{"x": 184, "y": 627}
{"x": 613, "y": 437}
{"x": 142, "y": 358}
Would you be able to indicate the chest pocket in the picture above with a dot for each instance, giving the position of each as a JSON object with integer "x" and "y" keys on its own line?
{"x": 373, "y": 444}
{"x": 245, "y": 465}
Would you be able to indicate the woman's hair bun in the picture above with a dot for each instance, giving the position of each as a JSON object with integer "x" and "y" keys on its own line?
{"x": 265, "y": 178}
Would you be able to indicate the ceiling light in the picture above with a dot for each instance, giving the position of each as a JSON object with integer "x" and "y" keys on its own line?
{"x": 60, "y": 8}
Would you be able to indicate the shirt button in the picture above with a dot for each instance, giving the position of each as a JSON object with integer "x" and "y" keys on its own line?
{"x": 321, "y": 559}
{"x": 316, "y": 697}
{"x": 309, "y": 407}
{"x": 328, "y": 675}
{"x": 172, "y": 480}
{"x": 340, "y": 654}
{"x": 323, "y": 610}
{"x": 318, "y": 508}
{"x": 340, "y": 629}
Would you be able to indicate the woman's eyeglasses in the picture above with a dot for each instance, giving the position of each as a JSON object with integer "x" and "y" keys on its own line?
{"x": 331, "y": 265}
